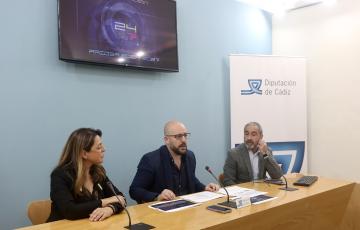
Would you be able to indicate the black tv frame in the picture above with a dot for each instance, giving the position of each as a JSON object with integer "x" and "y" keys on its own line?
{"x": 119, "y": 65}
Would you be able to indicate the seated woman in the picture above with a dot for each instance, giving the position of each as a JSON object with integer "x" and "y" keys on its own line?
{"x": 79, "y": 185}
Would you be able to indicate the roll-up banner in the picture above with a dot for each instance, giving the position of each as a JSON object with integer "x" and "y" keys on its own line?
{"x": 271, "y": 90}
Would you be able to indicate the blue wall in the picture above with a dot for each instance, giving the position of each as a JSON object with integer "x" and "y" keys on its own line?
{"x": 43, "y": 99}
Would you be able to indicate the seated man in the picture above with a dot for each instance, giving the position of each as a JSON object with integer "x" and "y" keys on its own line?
{"x": 168, "y": 171}
{"x": 250, "y": 160}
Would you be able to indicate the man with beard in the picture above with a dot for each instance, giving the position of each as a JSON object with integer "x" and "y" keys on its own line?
{"x": 168, "y": 171}
{"x": 250, "y": 160}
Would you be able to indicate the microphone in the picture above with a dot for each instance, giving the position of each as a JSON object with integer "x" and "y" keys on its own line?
{"x": 227, "y": 203}
{"x": 286, "y": 188}
{"x": 130, "y": 226}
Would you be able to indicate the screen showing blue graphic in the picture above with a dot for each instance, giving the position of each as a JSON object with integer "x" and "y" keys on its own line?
{"x": 134, "y": 33}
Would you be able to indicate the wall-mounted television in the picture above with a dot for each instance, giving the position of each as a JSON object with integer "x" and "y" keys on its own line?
{"x": 131, "y": 33}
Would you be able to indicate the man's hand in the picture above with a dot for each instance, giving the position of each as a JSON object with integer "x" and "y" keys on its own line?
{"x": 166, "y": 194}
{"x": 263, "y": 147}
{"x": 212, "y": 187}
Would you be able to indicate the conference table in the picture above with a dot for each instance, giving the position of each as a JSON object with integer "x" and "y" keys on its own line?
{"x": 320, "y": 206}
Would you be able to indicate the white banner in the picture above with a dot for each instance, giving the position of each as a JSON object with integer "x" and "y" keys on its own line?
{"x": 271, "y": 90}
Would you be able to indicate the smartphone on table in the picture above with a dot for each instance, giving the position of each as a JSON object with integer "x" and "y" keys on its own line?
{"x": 217, "y": 208}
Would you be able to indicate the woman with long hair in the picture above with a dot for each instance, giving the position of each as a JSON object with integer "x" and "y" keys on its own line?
{"x": 79, "y": 185}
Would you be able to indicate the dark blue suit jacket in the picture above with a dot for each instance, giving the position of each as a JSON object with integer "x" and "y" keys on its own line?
{"x": 154, "y": 175}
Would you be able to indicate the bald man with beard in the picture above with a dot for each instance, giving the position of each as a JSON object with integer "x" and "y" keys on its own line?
{"x": 169, "y": 171}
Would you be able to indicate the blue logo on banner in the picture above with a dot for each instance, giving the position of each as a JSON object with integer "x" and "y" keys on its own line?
{"x": 292, "y": 155}
{"x": 254, "y": 85}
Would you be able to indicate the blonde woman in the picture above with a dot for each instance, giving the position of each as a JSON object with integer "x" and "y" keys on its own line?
{"x": 79, "y": 185}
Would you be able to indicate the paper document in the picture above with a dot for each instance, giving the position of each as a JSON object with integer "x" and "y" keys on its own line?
{"x": 201, "y": 197}
{"x": 248, "y": 193}
{"x": 233, "y": 190}
{"x": 237, "y": 191}
{"x": 173, "y": 205}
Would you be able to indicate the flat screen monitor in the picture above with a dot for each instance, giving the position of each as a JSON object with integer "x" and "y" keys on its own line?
{"x": 130, "y": 33}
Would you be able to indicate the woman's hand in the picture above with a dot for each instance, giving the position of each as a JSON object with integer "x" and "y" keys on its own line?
{"x": 105, "y": 202}
{"x": 100, "y": 214}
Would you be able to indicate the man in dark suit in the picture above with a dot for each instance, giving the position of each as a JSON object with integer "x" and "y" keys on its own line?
{"x": 250, "y": 160}
{"x": 168, "y": 171}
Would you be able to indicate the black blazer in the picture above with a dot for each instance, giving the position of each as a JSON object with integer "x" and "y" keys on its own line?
{"x": 154, "y": 175}
{"x": 66, "y": 206}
